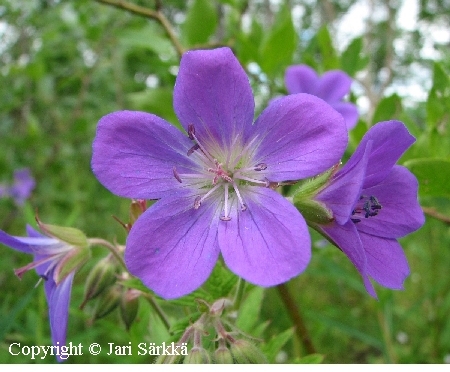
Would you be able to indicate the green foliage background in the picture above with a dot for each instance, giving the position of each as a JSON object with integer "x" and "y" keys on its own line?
{"x": 64, "y": 64}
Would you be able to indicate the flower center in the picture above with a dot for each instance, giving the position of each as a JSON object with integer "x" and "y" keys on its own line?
{"x": 368, "y": 206}
{"x": 232, "y": 174}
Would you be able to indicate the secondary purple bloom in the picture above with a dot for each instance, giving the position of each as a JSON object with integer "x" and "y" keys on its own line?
{"x": 374, "y": 202}
{"x": 332, "y": 86}
{"x": 216, "y": 181}
{"x": 21, "y": 188}
{"x": 55, "y": 262}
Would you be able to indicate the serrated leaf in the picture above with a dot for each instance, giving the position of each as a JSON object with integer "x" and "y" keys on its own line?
{"x": 432, "y": 174}
{"x": 389, "y": 108}
{"x": 279, "y": 46}
{"x": 249, "y": 311}
{"x": 329, "y": 55}
{"x": 201, "y": 22}
{"x": 274, "y": 346}
{"x": 220, "y": 282}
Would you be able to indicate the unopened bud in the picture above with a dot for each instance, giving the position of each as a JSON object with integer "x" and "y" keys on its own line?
{"x": 137, "y": 207}
{"x": 129, "y": 305}
{"x": 244, "y": 352}
{"x": 223, "y": 355}
{"x": 197, "y": 355}
{"x": 168, "y": 359}
{"x": 108, "y": 302}
{"x": 314, "y": 211}
{"x": 102, "y": 276}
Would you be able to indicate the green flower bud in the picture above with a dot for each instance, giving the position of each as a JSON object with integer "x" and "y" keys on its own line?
{"x": 314, "y": 212}
{"x": 168, "y": 359}
{"x": 102, "y": 276}
{"x": 137, "y": 207}
{"x": 108, "y": 302}
{"x": 197, "y": 355}
{"x": 223, "y": 355}
{"x": 129, "y": 305}
{"x": 244, "y": 352}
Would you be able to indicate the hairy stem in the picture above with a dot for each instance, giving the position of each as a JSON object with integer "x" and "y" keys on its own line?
{"x": 294, "y": 313}
{"x": 111, "y": 247}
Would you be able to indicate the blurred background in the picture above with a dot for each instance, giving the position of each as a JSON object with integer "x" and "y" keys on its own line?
{"x": 64, "y": 64}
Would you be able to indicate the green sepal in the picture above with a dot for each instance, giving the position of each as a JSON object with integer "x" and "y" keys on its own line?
{"x": 68, "y": 235}
{"x": 244, "y": 352}
{"x": 108, "y": 302}
{"x": 314, "y": 211}
{"x": 197, "y": 355}
{"x": 313, "y": 186}
{"x": 72, "y": 261}
{"x": 129, "y": 305}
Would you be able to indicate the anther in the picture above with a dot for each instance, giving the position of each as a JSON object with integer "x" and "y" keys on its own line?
{"x": 260, "y": 166}
{"x": 197, "y": 202}
{"x": 225, "y": 218}
{"x": 192, "y": 149}
{"x": 243, "y": 207}
{"x": 191, "y": 131}
{"x": 355, "y": 220}
{"x": 176, "y": 175}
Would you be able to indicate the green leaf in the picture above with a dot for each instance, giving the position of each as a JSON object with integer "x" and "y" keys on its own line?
{"x": 248, "y": 45}
{"x": 220, "y": 282}
{"x": 351, "y": 59}
{"x": 389, "y": 108}
{"x": 325, "y": 43}
{"x": 201, "y": 22}
{"x": 248, "y": 315}
{"x": 279, "y": 46}
{"x": 274, "y": 346}
{"x": 433, "y": 176}
{"x": 438, "y": 103}
{"x": 148, "y": 37}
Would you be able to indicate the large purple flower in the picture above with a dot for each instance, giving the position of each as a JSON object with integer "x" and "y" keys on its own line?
{"x": 332, "y": 86}
{"x": 55, "y": 262}
{"x": 216, "y": 181}
{"x": 374, "y": 202}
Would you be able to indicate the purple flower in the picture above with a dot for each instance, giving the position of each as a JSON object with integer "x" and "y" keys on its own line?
{"x": 21, "y": 188}
{"x": 332, "y": 86}
{"x": 55, "y": 262}
{"x": 374, "y": 202}
{"x": 216, "y": 181}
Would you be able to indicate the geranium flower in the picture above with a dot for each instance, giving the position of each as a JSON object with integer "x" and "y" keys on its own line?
{"x": 216, "y": 181}
{"x": 56, "y": 262}
{"x": 332, "y": 86}
{"x": 21, "y": 188}
{"x": 374, "y": 202}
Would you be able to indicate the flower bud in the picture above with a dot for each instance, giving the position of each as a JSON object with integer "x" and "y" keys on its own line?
{"x": 108, "y": 302}
{"x": 129, "y": 305}
{"x": 197, "y": 355}
{"x": 314, "y": 211}
{"x": 137, "y": 207}
{"x": 223, "y": 355}
{"x": 244, "y": 352}
{"x": 102, "y": 275}
{"x": 168, "y": 359}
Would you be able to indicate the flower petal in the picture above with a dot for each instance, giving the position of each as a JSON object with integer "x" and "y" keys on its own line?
{"x": 401, "y": 213}
{"x": 268, "y": 243}
{"x": 58, "y": 298}
{"x": 134, "y": 154}
{"x": 345, "y": 187}
{"x": 14, "y": 243}
{"x": 334, "y": 85}
{"x": 386, "y": 261}
{"x": 349, "y": 111}
{"x": 213, "y": 93}
{"x": 390, "y": 140}
{"x": 173, "y": 247}
{"x": 301, "y": 79}
{"x": 346, "y": 238}
{"x": 298, "y": 136}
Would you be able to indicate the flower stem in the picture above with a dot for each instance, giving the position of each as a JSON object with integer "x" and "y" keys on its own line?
{"x": 435, "y": 214}
{"x": 149, "y": 13}
{"x": 239, "y": 294}
{"x": 294, "y": 313}
{"x": 158, "y": 309}
{"x": 113, "y": 249}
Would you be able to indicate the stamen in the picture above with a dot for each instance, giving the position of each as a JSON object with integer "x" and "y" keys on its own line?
{"x": 192, "y": 149}
{"x": 370, "y": 208}
{"x": 238, "y": 194}
{"x": 191, "y": 131}
{"x": 176, "y": 175}
{"x": 225, "y": 217}
{"x": 260, "y": 166}
{"x": 197, "y": 202}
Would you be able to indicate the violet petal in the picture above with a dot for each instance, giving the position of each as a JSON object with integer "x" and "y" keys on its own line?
{"x": 268, "y": 243}
{"x": 301, "y": 79}
{"x": 349, "y": 111}
{"x": 333, "y": 85}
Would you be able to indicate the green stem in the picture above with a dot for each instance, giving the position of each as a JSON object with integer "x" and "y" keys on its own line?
{"x": 239, "y": 294}
{"x": 149, "y": 13}
{"x": 158, "y": 310}
{"x": 294, "y": 313}
{"x": 113, "y": 249}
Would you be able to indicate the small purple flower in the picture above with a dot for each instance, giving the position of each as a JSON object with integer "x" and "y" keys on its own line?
{"x": 55, "y": 262}
{"x": 374, "y": 202}
{"x": 332, "y": 86}
{"x": 21, "y": 188}
{"x": 216, "y": 182}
